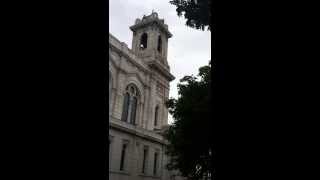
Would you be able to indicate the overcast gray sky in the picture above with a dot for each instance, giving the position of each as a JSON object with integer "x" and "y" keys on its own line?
{"x": 188, "y": 49}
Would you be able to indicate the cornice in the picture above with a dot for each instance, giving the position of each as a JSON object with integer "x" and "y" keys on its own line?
{"x": 135, "y": 132}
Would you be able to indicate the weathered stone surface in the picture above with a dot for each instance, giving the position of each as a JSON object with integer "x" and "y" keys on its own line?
{"x": 146, "y": 68}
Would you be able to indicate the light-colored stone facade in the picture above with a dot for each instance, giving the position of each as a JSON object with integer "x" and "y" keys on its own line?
{"x": 143, "y": 72}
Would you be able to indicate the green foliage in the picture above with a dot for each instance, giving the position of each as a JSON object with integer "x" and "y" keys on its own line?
{"x": 191, "y": 146}
{"x": 197, "y": 12}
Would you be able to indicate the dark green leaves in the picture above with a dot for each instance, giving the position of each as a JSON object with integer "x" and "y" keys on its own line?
{"x": 197, "y": 12}
{"x": 189, "y": 136}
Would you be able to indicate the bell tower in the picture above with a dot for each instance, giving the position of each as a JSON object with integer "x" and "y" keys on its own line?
{"x": 150, "y": 38}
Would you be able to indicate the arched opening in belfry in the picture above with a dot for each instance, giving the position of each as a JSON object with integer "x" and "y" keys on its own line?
{"x": 144, "y": 41}
{"x": 159, "y": 44}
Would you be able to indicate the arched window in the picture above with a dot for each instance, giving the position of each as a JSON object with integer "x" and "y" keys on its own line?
{"x": 130, "y": 104}
{"x": 159, "y": 44}
{"x": 156, "y": 112}
{"x": 133, "y": 110}
{"x": 144, "y": 41}
{"x": 125, "y": 107}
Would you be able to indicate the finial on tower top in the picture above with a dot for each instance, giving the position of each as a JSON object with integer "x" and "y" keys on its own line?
{"x": 154, "y": 14}
{"x": 149, "y": 20}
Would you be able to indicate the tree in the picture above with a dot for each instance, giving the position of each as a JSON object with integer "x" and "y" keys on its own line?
{"x": 197, "y": 12}
{"x": 191, "y": 145}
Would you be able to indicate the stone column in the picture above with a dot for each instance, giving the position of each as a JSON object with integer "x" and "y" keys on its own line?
{"x": 145, "y": 108}
{"x": 151, "y": 103}
{"x": 121, "y": 78}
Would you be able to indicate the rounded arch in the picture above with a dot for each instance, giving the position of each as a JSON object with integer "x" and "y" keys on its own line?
{"x": 143, "y": 41}
{"x": 136, "y": 82}
{"x": 133, "y": 89}
{"x": 131, "y": 104}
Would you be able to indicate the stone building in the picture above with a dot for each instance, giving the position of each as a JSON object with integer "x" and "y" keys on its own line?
{"x": 138, "y": 88}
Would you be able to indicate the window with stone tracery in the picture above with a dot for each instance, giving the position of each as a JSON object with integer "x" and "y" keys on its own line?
{"x": 130, "y": 104}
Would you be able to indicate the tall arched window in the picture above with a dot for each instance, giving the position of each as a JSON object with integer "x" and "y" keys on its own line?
{"x": 133, "y": 110}
{"x": 125, "y": 107}
{"x": 130, "y": 104}
{"x": 159, "y": 44}
{"x": 144, "y": 41}
{"x": 156, "y": 112}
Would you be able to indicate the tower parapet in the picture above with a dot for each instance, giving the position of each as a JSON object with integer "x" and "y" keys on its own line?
{"x": 150, "y": 39}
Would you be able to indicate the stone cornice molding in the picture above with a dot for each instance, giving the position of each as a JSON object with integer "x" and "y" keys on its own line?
{"x": 151, "y": 20}
{"x": 162, "y": 70}
{"x": 139, "y": 132}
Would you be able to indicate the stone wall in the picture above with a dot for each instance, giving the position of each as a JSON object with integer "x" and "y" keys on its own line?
{"x": 126, "y": 67}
